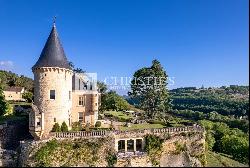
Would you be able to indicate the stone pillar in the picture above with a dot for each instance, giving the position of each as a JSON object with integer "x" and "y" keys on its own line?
{"x": 126, "y": 146}
{"x": 143, "y": 144}
{"x": 134, "y": 145}
{"x": 116, "y": 145}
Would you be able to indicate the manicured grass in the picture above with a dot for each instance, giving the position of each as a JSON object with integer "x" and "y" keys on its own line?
{"x": 141, "y": 126}
{"x": 118, "y": 114}
{"x": 218, "y": 160}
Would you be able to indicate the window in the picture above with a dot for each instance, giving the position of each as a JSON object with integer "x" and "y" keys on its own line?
{"x": 54, "y": 119}
{"x": 38, "y": 123}
{"x": 139, "y": 145}
{"x": 69, "y": 95}
{"x": 52, "y": 94}
{"x": 121, "y": 146}
{"x": 130, "y": 145}
{"x": 80, "y": 116}
{"x": 95, "y": 104}
{"x": 81, "y": 101}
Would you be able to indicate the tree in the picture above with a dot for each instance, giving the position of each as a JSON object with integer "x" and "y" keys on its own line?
{"x": 149, "y": 86}
{"x": 77, "y": 70}
{"x": 210, "y": 140}
{"x": 56, "y": 128}
{"x": 236, "y": 146}
{"x": 64, "y": 127}
{"x": 102, "y": 88}
{"x": 115, "y": 102}
{"x": 3, "y": 104}
{"x": 71, "y": 64}
{"x": 28, "y": 96}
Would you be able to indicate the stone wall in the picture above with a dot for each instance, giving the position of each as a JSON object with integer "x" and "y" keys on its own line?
{"x": 170, "y": 155}
{"x": 10, "y": 135}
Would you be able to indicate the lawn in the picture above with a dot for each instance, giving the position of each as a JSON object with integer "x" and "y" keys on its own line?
{"x": 218, "y": 160}
{"x": 141, "y": 126}
{"x": 119, "y": 115}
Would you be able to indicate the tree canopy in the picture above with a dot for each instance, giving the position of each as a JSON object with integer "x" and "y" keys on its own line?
{"x": 149, "y": 87}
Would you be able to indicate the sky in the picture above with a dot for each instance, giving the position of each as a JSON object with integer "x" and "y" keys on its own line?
{"x": 198, "y": 42}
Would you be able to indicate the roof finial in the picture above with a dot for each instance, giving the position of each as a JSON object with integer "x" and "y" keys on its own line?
{"x": 54, "y": 21}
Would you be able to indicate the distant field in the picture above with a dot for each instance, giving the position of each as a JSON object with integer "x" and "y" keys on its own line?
{"x": 218, "y": 160}
{"x": 141, "y": 126}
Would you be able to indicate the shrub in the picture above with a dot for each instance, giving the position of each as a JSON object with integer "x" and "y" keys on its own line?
{"x": 180, "y": 147}
{"x": 87, "y": 127}
{"x": 42, "y": 156}
{"x": 153, "y": 142}
{"x": 111, "y": 159}
{"x": 77, "y": 126}
{"x": 166, "y": 136}
{"x": 64, "y": 127}
{"x": 98, "y": 124}
{"x": 56, "y": 128}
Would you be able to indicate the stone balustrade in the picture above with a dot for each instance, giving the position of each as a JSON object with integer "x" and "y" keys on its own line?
{"x": 82, "y": 134}
{"x": 79, "y": 134}
{"x": 195, "y": 128}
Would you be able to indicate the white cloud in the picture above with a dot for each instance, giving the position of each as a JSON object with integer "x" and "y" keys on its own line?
{"x": 6, "y": 65}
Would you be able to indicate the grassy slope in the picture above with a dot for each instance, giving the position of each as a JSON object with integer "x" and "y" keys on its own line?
{"x": 218, "y": 160}
{"x": 142, "y": 126}
{"x": 119, "y": 114}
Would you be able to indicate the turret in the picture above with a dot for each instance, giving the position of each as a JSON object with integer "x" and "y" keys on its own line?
{"x": 52, "y": 87}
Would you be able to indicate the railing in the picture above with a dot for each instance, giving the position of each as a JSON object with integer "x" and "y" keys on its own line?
{"x": 195, "y": 128}
{"x": 80, "y": 134}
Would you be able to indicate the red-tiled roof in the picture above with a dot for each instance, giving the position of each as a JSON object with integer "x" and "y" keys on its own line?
{"x": 14, "y": 89}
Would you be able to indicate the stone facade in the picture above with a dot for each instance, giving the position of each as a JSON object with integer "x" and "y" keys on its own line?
{"x": 55, "y": 91}
{"x": 89, "y": 107}
{"x": 65, "y": 107}
{"x": 52, "y": 110}
{"x": 14, "y": 94}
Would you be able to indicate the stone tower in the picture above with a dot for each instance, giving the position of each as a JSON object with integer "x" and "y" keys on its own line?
{"x": 52, "y": 88}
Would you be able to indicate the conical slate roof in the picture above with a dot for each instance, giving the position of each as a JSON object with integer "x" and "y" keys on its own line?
{"x": 52, "y": 54}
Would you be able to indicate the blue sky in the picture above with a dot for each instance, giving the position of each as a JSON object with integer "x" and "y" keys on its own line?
{"x": 197, "y": 41}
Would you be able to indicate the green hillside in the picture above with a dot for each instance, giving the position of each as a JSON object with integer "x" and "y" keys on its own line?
{"x": 218, "y": 160}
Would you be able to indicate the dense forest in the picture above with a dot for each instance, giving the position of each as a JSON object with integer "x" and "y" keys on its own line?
{"x": 222, "y": 111}
{"x": 231, "y": 100}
